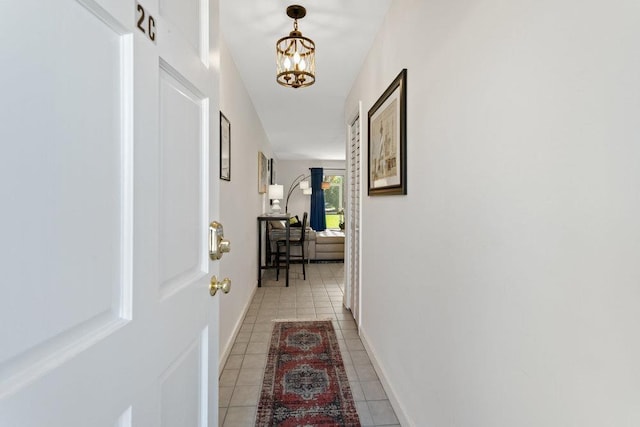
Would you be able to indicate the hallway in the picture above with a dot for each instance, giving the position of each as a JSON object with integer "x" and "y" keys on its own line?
{"x": 320, "y": 296}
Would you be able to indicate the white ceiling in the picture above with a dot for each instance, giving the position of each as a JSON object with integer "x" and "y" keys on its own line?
{"x": 304, "y": 123}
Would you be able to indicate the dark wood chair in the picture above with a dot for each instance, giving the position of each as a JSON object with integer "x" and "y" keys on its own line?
{"x": 281, "y": 249}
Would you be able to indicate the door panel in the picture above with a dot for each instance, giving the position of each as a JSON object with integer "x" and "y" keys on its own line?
{"x": 183, "y": 141}
{"x": 187, "y": 16}
{"x": 182, "y": 395}
{"x": 62, "y": 172}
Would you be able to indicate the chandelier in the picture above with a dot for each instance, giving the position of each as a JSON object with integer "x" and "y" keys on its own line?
{"x": 296, "y": 54}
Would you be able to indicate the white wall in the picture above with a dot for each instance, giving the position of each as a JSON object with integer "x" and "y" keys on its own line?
{"x": 510, "y": 295}
{"x": 288, "y": 170}
{"x": 240, "y": 202}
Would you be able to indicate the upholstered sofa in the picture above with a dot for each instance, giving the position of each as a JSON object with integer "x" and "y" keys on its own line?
{"x": 327, "y": 245}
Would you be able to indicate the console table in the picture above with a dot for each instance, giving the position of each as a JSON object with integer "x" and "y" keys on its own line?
{"x": 262, "y": 224}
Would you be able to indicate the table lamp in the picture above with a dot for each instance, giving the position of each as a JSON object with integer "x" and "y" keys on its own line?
{"x": 276, "y": 193}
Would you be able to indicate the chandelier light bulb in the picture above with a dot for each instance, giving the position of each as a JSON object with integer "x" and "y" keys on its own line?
{"x": 296, "y": 58}
{"x": 303, "y": 65}
{"x": 287, "y": 63}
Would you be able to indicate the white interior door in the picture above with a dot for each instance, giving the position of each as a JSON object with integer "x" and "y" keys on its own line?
{"x": 108, "y": 148}
{"x": 352, "y": 296}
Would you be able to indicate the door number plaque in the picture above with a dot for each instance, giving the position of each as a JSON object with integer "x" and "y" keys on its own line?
{"x": 145, "y": 22}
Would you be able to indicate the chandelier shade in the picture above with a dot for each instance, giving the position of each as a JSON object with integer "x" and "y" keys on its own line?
{"x": 296, "y": 55}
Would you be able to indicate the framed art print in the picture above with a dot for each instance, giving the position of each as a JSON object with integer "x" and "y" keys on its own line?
{"x": 387, "y": 145}
{"x": 263, "y": 172}
{"x": 225, "y": 148}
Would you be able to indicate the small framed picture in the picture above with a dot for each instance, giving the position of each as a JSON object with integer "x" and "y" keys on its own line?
{"x": 272, "y": 171}
{"x": 387, "y": 146}
{"x": 225, "y": 148}
{"x": 263, "y": 172}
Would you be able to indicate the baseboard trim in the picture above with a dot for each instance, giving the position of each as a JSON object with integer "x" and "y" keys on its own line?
{"x": 236, "y": 330}
{"x": 391, "y": 394}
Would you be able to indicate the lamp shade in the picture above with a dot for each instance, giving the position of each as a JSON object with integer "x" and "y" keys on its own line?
{"x": 276, "y": 191}
{"x": 304, "y": 185}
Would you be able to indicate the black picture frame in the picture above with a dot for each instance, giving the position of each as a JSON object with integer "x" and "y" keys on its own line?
{"x": 272, "y": 171}
{"x": 225, "y": 148}
{"x": 387, "y": 141}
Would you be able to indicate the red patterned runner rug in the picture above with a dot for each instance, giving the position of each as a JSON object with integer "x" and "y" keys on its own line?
{"x": 305, "y": 383}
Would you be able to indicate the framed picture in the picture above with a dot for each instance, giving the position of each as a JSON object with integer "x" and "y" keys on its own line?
{"x": 225, "y": 148}
{"x": 272, "y": 170}
{"x": 268, "y": 171}
{"x": 387, "y": 146}
{"x": 263, "y": 169}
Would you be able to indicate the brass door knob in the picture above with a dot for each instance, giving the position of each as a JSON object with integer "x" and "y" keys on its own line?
{"x": 224, "y": 285}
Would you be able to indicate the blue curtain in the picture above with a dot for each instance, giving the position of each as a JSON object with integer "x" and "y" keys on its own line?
{"x": 318, "y": 221}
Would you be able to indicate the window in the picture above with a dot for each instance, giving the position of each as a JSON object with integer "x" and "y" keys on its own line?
{"x": 334, "y": 200}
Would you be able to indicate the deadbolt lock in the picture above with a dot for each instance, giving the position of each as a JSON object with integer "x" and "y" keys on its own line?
{"x": 217, "y": 243}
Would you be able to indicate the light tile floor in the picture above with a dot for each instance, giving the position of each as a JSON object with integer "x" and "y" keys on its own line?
{"x": 320, "y": 296}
